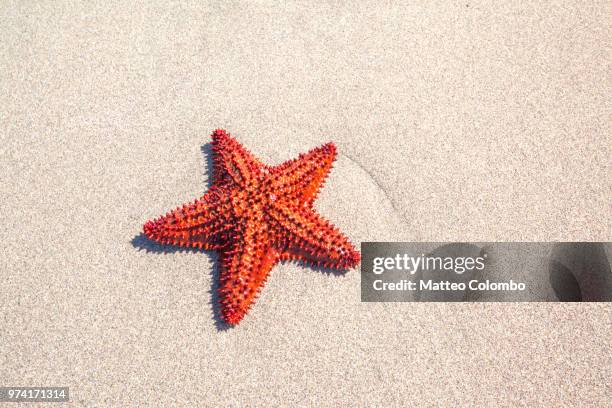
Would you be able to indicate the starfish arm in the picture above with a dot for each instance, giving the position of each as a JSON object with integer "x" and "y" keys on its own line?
{"x": 232, "y": 162}
{"x": 305, "y": 235}
{"x": 245, "y": 267}
{"x": 201, "y": 224}
{"x": 302, "y": 178}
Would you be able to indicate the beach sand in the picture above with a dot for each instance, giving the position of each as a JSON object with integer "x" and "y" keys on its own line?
{"x": 454, "y": 121}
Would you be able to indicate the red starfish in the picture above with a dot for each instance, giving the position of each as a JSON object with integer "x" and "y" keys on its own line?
{"x": 255, "y": 216}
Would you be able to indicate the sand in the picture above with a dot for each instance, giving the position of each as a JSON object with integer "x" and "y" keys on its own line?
{"x": 455, "y": 121}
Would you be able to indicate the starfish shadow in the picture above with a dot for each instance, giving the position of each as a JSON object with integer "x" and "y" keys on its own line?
{"x": 321, "y": 269}
{"x": 207, "y": 152}
{"x": 141, "y": 242}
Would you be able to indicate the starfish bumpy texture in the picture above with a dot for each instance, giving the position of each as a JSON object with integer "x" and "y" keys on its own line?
{"x": 256, "y": 215}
